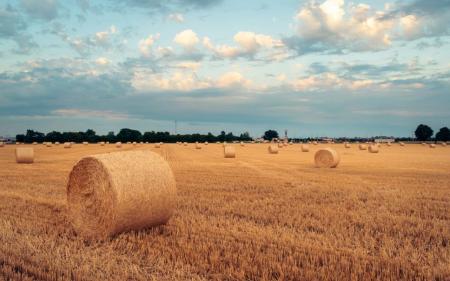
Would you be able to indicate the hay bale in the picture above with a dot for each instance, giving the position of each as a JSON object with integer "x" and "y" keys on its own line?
{"x": 85, "y": 143}
{"x": 388, "y": 144}
{"x": 49, "y": 144}
{"x": 67, "y": 145}
{"x": 347, "y": 145}
{"x": 185, "y": 143}
{"x": 102, "y": 143}
{"x": 362, "y": 146}
{"x": 206, "y": 143}
{"x": 197, "y": 146}
{"x": 280, "y": 145}
{"x": 326, "y": 158}
{"x": 24, "y": 155}
{"x": 443, "y": 144}
{"x": 157, "y": 145}
{"x": 134, "y": 143}
{"x": 315, "y": 143}
{"x": 402, "y": 143}
{"x": 2, "y": 144}
{"x": 273, "y": 149}
{"x": 35, "y": 143}
{"x": 118, "y": 144}
{"x": 305, "y": 148}
{"x": 242, "y": 143}
{"x": 56, "y": 142}
{"x": 121, "y": 191}
{"x": 373, "y": 148}
{"x": 432, "y": 145}
{"x": 229, "y": 151}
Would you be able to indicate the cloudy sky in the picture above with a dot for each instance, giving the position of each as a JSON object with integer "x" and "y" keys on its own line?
{"x": 316, "y": 68}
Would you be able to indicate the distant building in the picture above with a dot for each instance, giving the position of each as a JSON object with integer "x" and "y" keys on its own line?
{"x": 383, "y": 140}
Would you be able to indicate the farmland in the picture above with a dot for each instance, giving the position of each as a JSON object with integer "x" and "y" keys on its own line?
{"x": 258, "y": 216}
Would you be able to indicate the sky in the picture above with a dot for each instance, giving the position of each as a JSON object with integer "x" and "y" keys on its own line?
{"x": 316, "y": 68}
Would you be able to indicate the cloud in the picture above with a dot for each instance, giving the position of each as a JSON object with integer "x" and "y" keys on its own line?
{"x": 41, "y": 9}
{"x": 233, "y": 79}
{"x": 334, "y": 26}
{"x": 176, "y": 17}
{"x": 102, "y": 61}
{"x": 146, "y": 45}
{"x": 167, "y": 5}
{"x": 82, "y": 113}
{"x": 13, "y": 27}
{"x": 188, "y": 39}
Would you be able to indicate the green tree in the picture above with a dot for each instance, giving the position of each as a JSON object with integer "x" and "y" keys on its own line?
{"x": 443, "y": 134}
{"x": 423, "y": 132}
{"x": 270, "y": 134}
{"x": 126, "y": 135}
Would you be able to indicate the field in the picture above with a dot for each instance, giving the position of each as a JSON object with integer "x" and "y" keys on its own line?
{"x": 259, "y": 216}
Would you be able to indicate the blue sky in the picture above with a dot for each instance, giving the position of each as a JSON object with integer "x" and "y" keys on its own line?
{"x": 316, "y": 68}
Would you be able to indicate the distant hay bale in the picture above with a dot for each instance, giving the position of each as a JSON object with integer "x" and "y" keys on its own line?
{"x": 347, "y": 145}
{"x": 285, "y": 144}
{"x": 280, "y": 145}
{"x": 128, "y": 142}
{"x": 56, "y": 142}
{"x": 2, "y": 144}
{"x": 185, "y": 143}
{"x": 206, "y": 143}
{"x": 388, "y": 144}
{"x": 102, "y": 143}
{"x": 229, "y": 151}
{"x": 49, "y": 144}
{"x": 305, "y": 148}
{"x": 242, "y": 143}
{"x": 326, "y": 158}
{"x": 198, "y": 146}
{"x": 121, "y": 191}
{"x": 443, "y": 143}
{"x": 432, "y": 145}
{"x": 424, "y": 144}
{"x": 85, "y": 143}
{"x": 24, "y": 155}
{"x": 402, "y": 143}
{"x": 157, "y": 145}
{"x": 373, "y": 148}
{"x": 273, "y": 149}
{"x": 67, "y": 145}
{"x": 315, "y": 143}
{"x": 134, "y": 143}
{"x": 362, "y": 146}
{"x": 35, "y": 143}
{"x": 118, "y": 144}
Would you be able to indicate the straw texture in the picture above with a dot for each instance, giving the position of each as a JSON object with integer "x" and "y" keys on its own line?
{"x": 118, "y": 144}
{"x": 326, "y": 158}
{"x": 362, "y": 147}
{"x": 305, "y": 148}
{"x": 432, "y": 145}
{"x": 24, "y": 155}
{"x": 229, "y": 151}
{"x": 347, "y": 145}
{"x": 67, "y": 145}
{"x": 373, "y": 148}
{"x": 157, "y": 145}
{"x": 273, "y": 149}
{"x": 116, "y": 192}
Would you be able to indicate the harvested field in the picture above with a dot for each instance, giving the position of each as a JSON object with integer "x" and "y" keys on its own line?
{"x": 258, "y": 216}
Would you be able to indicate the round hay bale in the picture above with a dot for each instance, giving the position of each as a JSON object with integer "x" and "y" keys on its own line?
{"x": 305, "y": 148}
{"x": 280, "y": 145}
{"x": 85, "y": 143}
{"x": 2, "y": 144}
{"x": 388, "y": 144}
{"x": 35, "y": 143}
{"x": 273, "y": 149}
{"x": 157, "y": 145}
{"x": 242, "y": 143}
{"x": 185, "y": 144}
{"x": 67, "y": 145}
{"x": 198, "y": 146}
{"x": 229, "y": 151}
{"x": 347, "y": 145}
{"x": 118, "y": 144}
{"x": 402, "y": 143}
{"x": 134, "y": 143}
{"x": 326, "y": 158}
{"x": 206, "y": 143}
{"x": 315, "y": 143}
{"x": 102, "y": 143}
{"x": 362, "y": 146}
{"x": 49, "y": 144}
{"x": 373, "y": 148}
{"x": 24, "y": 155}
{"x": 444, "y": 144}
{"x": 121, "y": 191}
{"x": 432, "y": 145}
{"x": 424, "y": 144}
{"x": 56, "y": 142}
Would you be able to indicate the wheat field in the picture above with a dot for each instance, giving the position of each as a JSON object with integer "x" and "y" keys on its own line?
{"x": 258, "y": 216}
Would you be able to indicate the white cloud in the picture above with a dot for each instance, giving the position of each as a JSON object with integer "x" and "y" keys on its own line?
{"x": 177, "y": 17}
{"x": 102, "y": 61}
{"x": 146, "y": 44}
{"x": 326, "y": 81}
{"x": 188, "y": 39}
{"x": 232, "y": 79}
{"x": 81, "y": 113}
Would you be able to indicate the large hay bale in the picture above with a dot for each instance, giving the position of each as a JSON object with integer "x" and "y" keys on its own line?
{"x": 24, "y": 155}
{"x": 67, "y": 145}
{"x": 273, "y": 149}
{"x": 118, "y": 144}
{"x": 305, "y": 148}
{"x": 373, "y": 148}
{"x": 116, "y": 192}
{"x": 229, "y": 151}
{"x": 432, "y": 145}
{"x": 362, "y": 146}
{"x": 326, "y": 158}
{"x": 347, "y": 145}
{"x": 157, "y": 145}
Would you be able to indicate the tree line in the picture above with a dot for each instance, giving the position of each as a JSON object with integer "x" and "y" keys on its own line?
{"x": 126, "y": 135}
{"x": 424, "y": 132}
